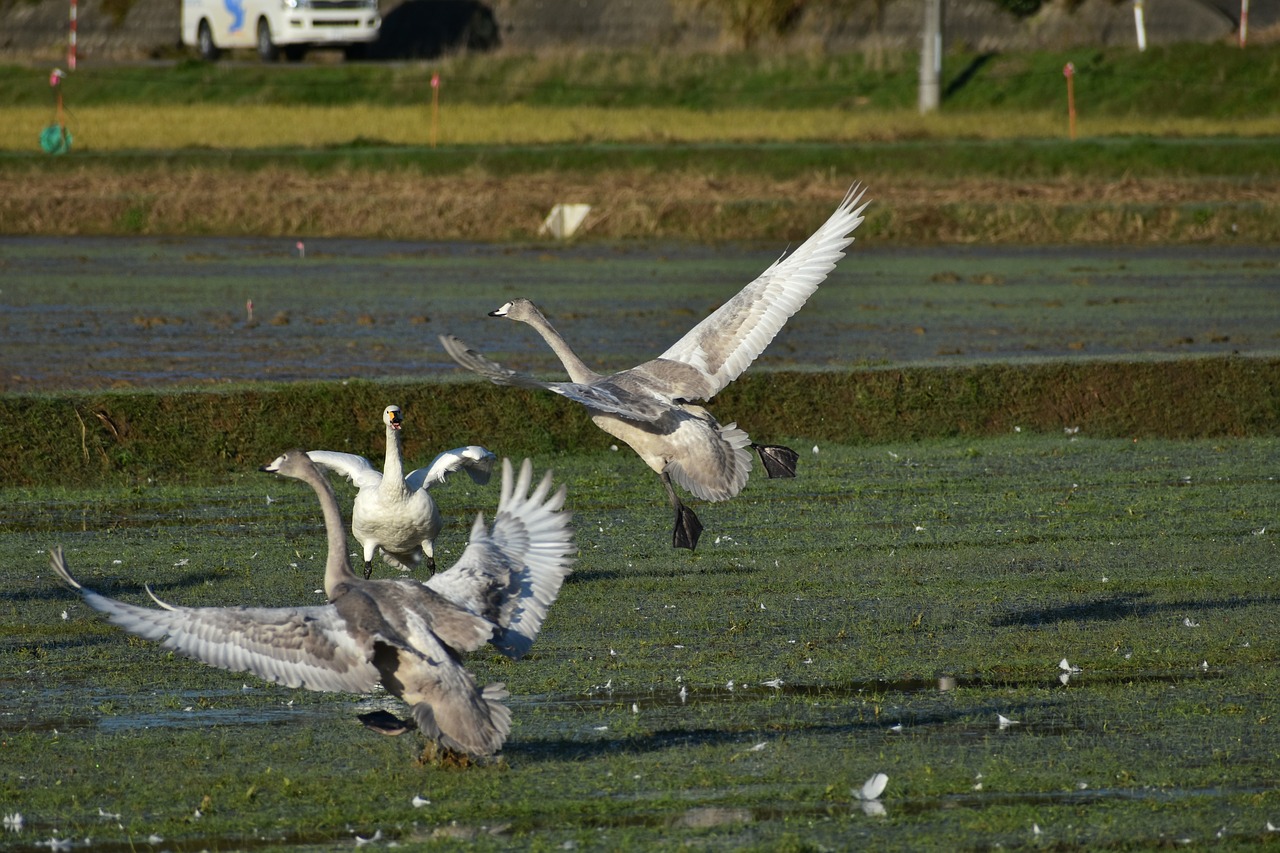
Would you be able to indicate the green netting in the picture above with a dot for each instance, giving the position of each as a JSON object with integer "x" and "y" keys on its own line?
{"x": 55, "y": 139}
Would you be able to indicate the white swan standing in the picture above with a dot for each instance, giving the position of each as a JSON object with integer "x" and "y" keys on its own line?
{"x": 650, "y": 407}
{"x": 407, "y": 636}
{"x": 394, "y": 512}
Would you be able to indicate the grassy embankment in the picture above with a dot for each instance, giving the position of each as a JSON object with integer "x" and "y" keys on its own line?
{"x": 210, "y": 436}
{"x": 1176, "y": 145}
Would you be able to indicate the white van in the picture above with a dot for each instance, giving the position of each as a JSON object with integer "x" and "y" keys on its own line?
{"x": 275, "y": 26}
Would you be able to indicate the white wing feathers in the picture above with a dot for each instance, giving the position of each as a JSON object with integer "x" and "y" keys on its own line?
{"x": 513, "y": 573}
{"x": 355, "y": 468}
{"x": 473, "y": 459}
{"x": 306, "y": 647}
{"x": 729, "y": 340}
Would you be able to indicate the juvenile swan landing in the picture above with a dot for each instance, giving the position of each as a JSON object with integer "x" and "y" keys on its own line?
{"x": 394, "y": 512}
{"x": 407, "y": 636}
{"x": 650, "y": 407}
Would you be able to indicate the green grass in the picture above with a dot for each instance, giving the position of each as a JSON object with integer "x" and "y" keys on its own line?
{"x": 1217, "y": 80}
{"x": 209, "y": 436}
{"x": 1151, "y": 565}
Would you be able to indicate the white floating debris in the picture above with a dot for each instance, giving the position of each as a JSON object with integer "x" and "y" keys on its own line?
{"x": 1066, "y": 666}
{"x": 873, "y": 787}
{"x": 13, "y": 822}
{"x": 761, "y": 745}
{"x": 684, "y": 694}
{"x": 815, "y": 450}
{"x": 182, "y": 562}
{"x": 564, "y": 220}
{"x": 106, "y": 814}
{"x": 919, "y": 528}
{"x": 601, "y": 728}
{"x": 152, "y": 839}
{"x": 419, "y": 801}
{"x": 1190, "y": 623}
{"x": 1035, "y": 829}
{"x": 377, "y": 836}
{"x": 775, "y": 683}
{"x": 117, "y": 562}
{"x": 635, "y": 707}
{"x": 1004, "y": 722}
{"x": 64, "y": 616}
{"x": 1071, "y": 430}
{"x": 896, "y": 729}
{"x": 1261, "y": 531}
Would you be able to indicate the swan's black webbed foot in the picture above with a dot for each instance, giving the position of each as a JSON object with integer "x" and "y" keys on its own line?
{"x": 687, "y": 527}
{"x": 385, "y": 723}
{"x": 368, "y": 568}
{"x": 687, "y": 530}
{"x": 431, "y": 564}
{"x": 778, "y": 461}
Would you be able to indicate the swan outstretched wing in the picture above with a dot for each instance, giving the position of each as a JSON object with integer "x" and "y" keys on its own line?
{"x": 357, "y": 469}
{"x": 309, "y": 647}
{"x": 475, "y": 460}
{"x": 512, "y": 573}
{"x": 612, "y": 395}
{"x": 726, "y": 343}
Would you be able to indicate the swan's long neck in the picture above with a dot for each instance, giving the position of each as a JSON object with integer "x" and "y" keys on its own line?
{"x": 393, "y": 464}
{"x": 577, "y": 369}
{"x": 337, "y": 567}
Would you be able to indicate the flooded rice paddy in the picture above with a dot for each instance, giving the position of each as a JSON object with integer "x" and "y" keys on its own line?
{"x": 1043, "y": 640}
{"x": 96, "y": 313}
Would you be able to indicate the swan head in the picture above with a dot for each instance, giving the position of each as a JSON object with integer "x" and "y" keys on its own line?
{"x": 516, "y": 309}
{"x": 291, "y": 463}
{"x": 391, "y": 417}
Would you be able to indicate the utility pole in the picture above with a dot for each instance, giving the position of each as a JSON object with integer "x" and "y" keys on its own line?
{"x": 931, "y": 57}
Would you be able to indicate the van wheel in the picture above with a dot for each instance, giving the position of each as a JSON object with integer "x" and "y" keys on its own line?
{"x": 204, "y": 43}
{"x": 267, "y": 50}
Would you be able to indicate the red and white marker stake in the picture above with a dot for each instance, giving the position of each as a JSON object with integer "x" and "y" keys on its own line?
{"x": 1244, "y": 22}
{"x": 71, "y": 39}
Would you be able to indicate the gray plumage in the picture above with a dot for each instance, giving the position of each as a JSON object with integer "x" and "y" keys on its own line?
{"x": 406, "y": 636}
{"x": 651, "y": 407}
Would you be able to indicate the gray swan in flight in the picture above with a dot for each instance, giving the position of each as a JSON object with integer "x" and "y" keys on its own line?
{"x": 651, "y": 406}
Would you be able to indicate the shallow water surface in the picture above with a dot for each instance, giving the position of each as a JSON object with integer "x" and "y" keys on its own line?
{"x": 101, "y": 312}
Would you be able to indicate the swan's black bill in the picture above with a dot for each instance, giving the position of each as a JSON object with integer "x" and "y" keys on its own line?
{"x": 778, "y": 461}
